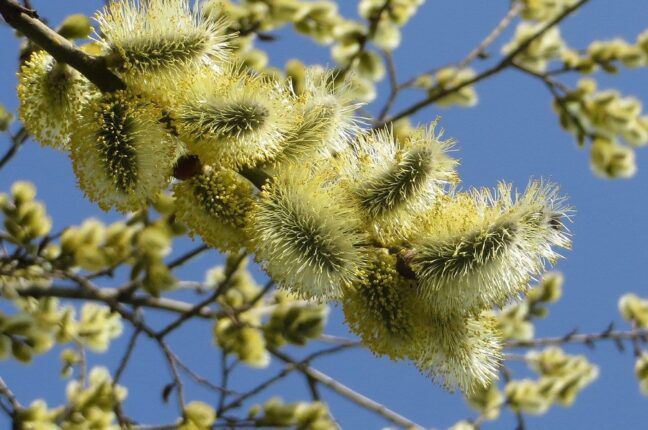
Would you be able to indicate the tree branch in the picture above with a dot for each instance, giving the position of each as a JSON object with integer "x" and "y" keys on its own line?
{"x": 503, "y": 64}
{"x": 197, "y": 309}
{"x": 586, "y": 339}
{"x": 513, "y": 11}
{"x": 17, "y": 141}
{"x": 347, "y": 392}
{"x": 94, "y": 68}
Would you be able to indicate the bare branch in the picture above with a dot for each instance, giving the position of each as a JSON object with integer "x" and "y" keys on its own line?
{"x": 513, "y": 11}
{"x": 127, "y": 355}
{"x": 9, "y": 395}
{"x": 188, "y": 256}
{"x": 585, "y": 339}
{"x": 503, "y": 64}
{"x": 17, "y": 141}
{"x": 197, "y": 309}
{"x": 347, "y": 392}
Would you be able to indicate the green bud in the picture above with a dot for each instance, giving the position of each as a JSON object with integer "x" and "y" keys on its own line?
{"x": 75, "y": 27}
{"x": 164, "y": 203}
{"x": 21, "y": 351}
{"x": 296, "y": 71}
{"x": 6, "y": 118}
{"x": 611, "y": 160}
{"x": 370, "y": 65}
{"x": 69, "y": 358}
{"x": 487, "y": 400}
{"x": 23, "y": 192}
{"x": 634, "y": 309}
{"x": 526, "y": 396}
{"x": 198, "y": 416}
{"x": 641, "y": 371}
{"x": 387, "y": 36}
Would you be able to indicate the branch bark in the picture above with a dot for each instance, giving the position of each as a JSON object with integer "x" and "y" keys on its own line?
{"x": 94, "y": 68}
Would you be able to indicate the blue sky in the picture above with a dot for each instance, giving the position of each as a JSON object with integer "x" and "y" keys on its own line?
{"x": 511, "y": 135}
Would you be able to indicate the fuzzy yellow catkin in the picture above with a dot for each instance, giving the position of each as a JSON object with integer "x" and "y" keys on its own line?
{"x": 393, "y": 180}
{"x": 197, "y": 416}
{"x": 51, "y": 94}
{"x": 214, "y": 205}
{"x": 471, "y": 267}
{"x": 306, "y": 240}
{"x": 234, "y": 119}
{"x": 379, "y": 307}
{"x": 458, "y": 352}
{"x": 121, "y": 153}
{"x": 162, "y": 38}
{"x": 325, "y": 118}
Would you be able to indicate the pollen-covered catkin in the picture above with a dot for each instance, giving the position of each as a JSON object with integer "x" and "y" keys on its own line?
{"x": 470, "y": 268}
{"x": 234, "y": 119}
{"x": 214, "y": 204}
{"x": 458, "y": 352}
{"x": 51, "y": 95}
{"x": 159, "y": 38}
{"x": 305, "y": 239}
{"x": 394, "y": 180}
{"x": 379, "y": 306}
{"x": 325, "y": 118}
{"x": 121, "y": 153}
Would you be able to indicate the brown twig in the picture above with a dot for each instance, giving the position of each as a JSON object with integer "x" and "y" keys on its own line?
{"x": 348, "y": 393}
{"x": 480, "y": 49}
{"x": 503, "y": 64}
{"x": 585, "y": 339}
{"x": 94, "y": 68}
{"x": 10, "y": 396}
{"x": 17, "y": 141}
{"x": 197, "y": 309}
{"x": 393, "y": 85}
{"x": 188, "y": 256}
{"x": 280, "y": 375}
{"x": 126, "y": 357}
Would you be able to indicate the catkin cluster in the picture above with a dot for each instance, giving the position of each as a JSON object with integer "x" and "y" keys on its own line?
{"x": 282, "y": 166}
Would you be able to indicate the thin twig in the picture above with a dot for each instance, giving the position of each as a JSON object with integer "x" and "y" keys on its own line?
{"x": 554, "y": 87}
{"x": 188, "y": 256}
{"x": 393, "y": 85}
{"x": 347, "y": 392}
{"x": 177, "y": 380}
{"x": 225, "y": 372}
{"x": 279, "y": 376}
{"x": 199, "y": 379}
{"x": 503, "y": 64}
{"x": 586, "y": 339}
{"x": 513, "y": 11}
{"x": 9, "y": 395}
{"x": 17, "y": 141}
{"x": 127, "y": 355}
{"x": 108, "y": 295}
{"x": 222, "y": 287}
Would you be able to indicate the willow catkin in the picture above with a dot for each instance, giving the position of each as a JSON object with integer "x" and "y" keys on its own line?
{"x": 159, "y": 37}
{"x": 306, "y": 241}
{"x": 51, "y": 96}
{"x": 476, "y": 267}
{"x": 121, "y": 153}
{"x": 214, "y": 204}
{"x": 234, "y": 119}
